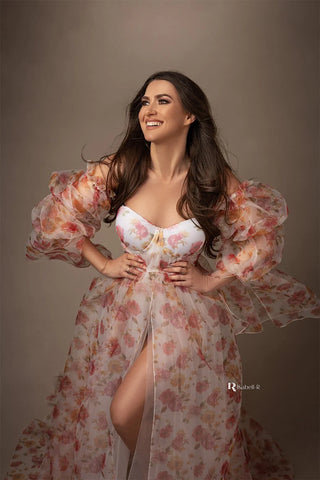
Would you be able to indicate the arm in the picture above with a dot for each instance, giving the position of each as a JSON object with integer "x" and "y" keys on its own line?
{"x": 127, "y": 265}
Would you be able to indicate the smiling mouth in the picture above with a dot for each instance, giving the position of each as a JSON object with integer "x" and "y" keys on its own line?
{"x": 153, "y": 124}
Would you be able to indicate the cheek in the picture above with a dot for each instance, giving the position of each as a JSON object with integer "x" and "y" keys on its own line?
{"x": 140, "y": 115}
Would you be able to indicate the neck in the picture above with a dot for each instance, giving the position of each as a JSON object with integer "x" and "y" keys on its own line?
{"x": 169, "y": 160}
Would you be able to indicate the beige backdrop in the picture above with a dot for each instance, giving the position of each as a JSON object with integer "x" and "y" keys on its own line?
{"x": 69, "y": 69}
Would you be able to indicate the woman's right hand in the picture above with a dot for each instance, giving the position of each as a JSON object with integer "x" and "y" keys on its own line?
{"x": 126, "y": 266}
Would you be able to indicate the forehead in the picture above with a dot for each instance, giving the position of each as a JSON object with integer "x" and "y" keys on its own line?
{"x": 157, "y": 87}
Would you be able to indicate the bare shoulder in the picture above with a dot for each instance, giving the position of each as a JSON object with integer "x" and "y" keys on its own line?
{"x": 232, "y": 183}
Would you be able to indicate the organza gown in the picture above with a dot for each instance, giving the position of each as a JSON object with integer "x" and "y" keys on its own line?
{"x": 193, "y": 426}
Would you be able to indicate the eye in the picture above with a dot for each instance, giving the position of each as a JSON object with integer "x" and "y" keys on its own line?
{"x": 161, "y": 101}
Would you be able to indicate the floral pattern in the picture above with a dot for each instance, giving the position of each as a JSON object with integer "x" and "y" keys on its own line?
{"x": 193, "y": 426}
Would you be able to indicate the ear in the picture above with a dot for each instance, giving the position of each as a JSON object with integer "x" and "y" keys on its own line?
{"x": 190, "y": 118}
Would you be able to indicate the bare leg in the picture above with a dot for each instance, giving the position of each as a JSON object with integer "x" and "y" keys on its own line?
{"x": 127, "y": 405}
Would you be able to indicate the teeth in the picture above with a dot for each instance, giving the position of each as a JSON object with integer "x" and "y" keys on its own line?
{"x": 153, "y": 124}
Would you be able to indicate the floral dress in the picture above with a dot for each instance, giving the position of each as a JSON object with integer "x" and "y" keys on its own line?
{"x": 193, "y": 425}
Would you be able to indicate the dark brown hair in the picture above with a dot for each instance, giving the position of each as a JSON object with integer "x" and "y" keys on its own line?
{"x": 206, "y": 180}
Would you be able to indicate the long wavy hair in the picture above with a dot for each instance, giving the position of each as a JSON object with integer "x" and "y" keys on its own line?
{"x": 205, "y": 184}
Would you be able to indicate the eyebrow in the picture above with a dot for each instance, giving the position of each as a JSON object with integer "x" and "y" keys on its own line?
{"x": 157, "y": 96}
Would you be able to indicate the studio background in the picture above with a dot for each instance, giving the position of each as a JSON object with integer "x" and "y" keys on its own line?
{"x": 69, "y": 68}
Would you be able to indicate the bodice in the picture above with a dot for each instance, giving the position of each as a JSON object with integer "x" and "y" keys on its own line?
{"x": 159, "y": 246}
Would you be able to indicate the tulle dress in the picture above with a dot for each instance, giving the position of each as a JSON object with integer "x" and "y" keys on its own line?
{"x": 193, "y": 425}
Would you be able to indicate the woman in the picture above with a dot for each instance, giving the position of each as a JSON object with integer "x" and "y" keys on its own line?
{"x": 148, "y": 387}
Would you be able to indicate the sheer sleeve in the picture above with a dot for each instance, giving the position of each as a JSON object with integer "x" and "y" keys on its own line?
{"x": 73, "y": 211}
{"x": 252, "y": 241}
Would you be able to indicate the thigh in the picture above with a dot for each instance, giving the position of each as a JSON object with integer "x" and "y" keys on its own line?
{"x": 128, "y": 401}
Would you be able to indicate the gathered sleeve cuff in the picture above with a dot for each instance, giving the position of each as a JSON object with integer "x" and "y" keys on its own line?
{"x": 252, "y": 239}
{"x": 72, "y": 212}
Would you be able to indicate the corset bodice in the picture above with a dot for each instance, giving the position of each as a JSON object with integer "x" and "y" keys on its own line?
{"x": 159, "y": 246}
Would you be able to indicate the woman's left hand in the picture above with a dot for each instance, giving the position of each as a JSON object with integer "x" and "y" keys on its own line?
{"x": 186, "y": 274}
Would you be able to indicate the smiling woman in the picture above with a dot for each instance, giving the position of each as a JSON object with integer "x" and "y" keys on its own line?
{"x": 147, "y": 392}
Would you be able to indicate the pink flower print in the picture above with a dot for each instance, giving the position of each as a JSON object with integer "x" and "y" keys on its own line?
{"x": 166, "y": 311}
{"x": 182, "y": 360}
{"x": 166, "y": 431}
{"x": 223, "y": 315}
{"x": 297, "y": 298}
{"x": 82, "y": 318}
{"x": 108, "y": 299}
{"x": 63, "y": 463}
{"x": 214, "y": 398}
{"x": 198, "y": 469}
{"x": 162, "y": 374}
{"x": 194, "y": 320}
{"x": 201, "y": 435}
{"x": 224, "y": 469}
{"x": 284, "y": 287}
{"x": 169, "y": 347}
{"x": 160, "y": 456}
{"x": 230, "y": 422}
{"x": 129, "y": 340}
{"x": 83, "y": 415}
{"x": 114, "y": 347}
{"x": 102, "y": 423}
{"x": 64, "y": 383}
{"x": 171, "y": 400}
{"x": 232, "y": 351}
{"x": 179, "y": 441}
{"x": 55, "y": 412}
{"x": 163, "y": 264}
{"x": 195, "y": 410}
{"x": 66, "y": 437}
{"x": 133, "y": 307}
{"x": 111, "y": 387}
{"x": 120, "y": 232}
{"x": 177, "y": 319}
{"x": 97, "y": 463}
{"x": 246, "y": 271}
{"x": 214, "y": 314}
{"x": 141, "y": 230}
{"x": 195, "y": 247}
{"x": 69, "y": 227}
{"x": 164, "y": 475}
{"x": 122, "y": 314}
{"x": 78, "y": 343}
{"x": 174, "y": 315}
{"x": 197, "y": 433}
{"x": 202, "y": 386}
{"x": 220, "y": 344}
{"x": 91, "y": 367}
{"x": 174, "y": 240}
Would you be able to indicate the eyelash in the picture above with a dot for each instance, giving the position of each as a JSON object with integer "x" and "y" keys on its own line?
{"x": 161, "y": 100}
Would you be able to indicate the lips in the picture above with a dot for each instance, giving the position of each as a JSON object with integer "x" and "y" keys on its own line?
{"x": 153, "y": 123}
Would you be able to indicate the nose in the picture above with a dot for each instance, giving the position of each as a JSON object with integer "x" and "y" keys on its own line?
{"x": 151, "y": 108}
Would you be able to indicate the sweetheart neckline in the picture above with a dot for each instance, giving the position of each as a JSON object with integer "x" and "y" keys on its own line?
{"x": 155, "y": 226}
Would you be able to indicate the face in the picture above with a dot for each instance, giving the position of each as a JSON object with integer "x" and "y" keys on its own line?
{"x": 162, "y": 116}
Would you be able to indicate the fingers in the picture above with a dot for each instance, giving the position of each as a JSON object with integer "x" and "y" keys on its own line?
{"x": 177, "y": 264}
{"x": 134, "y": 266}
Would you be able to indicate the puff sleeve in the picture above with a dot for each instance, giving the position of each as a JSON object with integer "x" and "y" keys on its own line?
{"x": 73, "y": 210}
{"x": 252, "y": 244}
